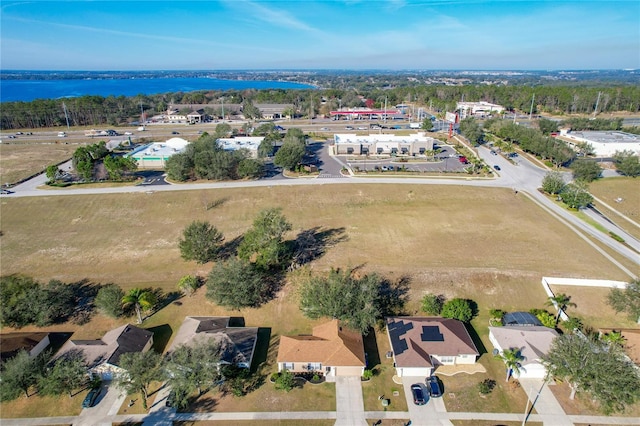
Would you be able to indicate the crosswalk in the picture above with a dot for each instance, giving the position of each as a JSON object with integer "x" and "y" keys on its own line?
{"x": 331, "y": 176}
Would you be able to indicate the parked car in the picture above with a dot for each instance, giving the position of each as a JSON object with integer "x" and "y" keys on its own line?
{"x": 419, "y": 396}
{"x": 435, "y": 389}
{"x": 496, "y": 167}
{"x": 91, "y": 397}
{"x": 493, "y": 152}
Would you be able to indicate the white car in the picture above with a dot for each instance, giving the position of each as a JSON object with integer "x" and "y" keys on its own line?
{"x": 128, "y": 133}
{"x": 362, "y": 128}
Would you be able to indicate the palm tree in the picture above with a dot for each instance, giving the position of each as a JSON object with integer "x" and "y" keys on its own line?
{"x": 140, "y": 299}
{"x": 560, "y": 302}
{"x": 511, "y": 358}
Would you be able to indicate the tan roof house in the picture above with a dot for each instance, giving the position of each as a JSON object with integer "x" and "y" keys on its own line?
{"x": 102, "y": 356}
{"x": 12, "y": 343}
{"x": 533, "y": 342}
{"x": 331, "y": 349}
{"x": 420, "y": 344}
{"x": 238, "y": 344}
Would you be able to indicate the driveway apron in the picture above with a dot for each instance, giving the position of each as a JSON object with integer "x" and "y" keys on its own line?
{"x": 546, "y": 404}
{"x": 349, "y": 402}
{"x": 432, "y": 413}
{"x": 107, "y": 405}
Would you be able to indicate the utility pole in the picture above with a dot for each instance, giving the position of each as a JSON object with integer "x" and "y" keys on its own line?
{"x": 66, "y": 116}
{"x": 531, "y": 110}
{"x": 595, "y": 110}
{"x": 222, "y": 104}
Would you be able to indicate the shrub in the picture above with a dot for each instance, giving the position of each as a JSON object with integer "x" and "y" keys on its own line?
{"x": 367, "y": 374}
{"x": 459, "y": 309}
{"x": 431, "y": 304}
{"x": 486, "y": 386}
{"x": 285, "y": 381}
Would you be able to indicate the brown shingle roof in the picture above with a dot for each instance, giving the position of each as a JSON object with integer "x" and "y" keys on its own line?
{"x": 331, "y": 344}
{"x": 415, "y": 339}
{"x": 12, "y": 343}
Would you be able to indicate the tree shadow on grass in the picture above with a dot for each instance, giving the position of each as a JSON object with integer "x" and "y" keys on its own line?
{"x": 161, "y": 335}
{"x": 85, "y": 292}
{"x": 393, "y": 296}
{"x": 476, "y": 339}
{"x": 311, "y": 244}
{"x": 229, "y": 248}
{"x": 261, "y": 350}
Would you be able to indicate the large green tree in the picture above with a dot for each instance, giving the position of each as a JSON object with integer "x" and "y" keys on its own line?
{"x": 264, "y": 243}
{"x": 553, "y": 183}
{"x": 342, "y": 295}
{"x": 627, "y": 300}
{"x": 193, "y": 367}
{"x": 576, "y": 195}
{"x": 586, "y": 170}
{"x": 109, "y": 300}
{"x": 142, "y": 368}
{"x": 290, "y": 153}
{"x": 594, "y": 367}
{"x": 140, "y": 299}
{"x": 67, "y": 374}
{"x": 236, "y": 284}
{"x": 19, "y": 375}
{"x": 200, "y": 241}
{"x": 627, "y": 163}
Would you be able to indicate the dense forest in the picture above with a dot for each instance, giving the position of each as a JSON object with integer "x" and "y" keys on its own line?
{"x": 114, "y": 111}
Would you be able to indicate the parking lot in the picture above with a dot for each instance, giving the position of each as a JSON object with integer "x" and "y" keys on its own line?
{"x": 447, "y": 161}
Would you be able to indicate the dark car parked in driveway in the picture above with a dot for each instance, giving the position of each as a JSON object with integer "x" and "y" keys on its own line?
{"x": 435, "y": 389}
{"x": 91, "y": 397}
{"x": 419, "y": 396}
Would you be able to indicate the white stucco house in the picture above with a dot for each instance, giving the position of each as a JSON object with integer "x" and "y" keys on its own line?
{"x": 532, "y": 341}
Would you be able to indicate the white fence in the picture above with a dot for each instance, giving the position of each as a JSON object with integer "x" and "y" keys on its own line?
{"x": 546, "y": 281}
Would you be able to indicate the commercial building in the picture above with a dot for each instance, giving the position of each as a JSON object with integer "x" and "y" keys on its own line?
{"x": 478, "y": 108}
{"x": 155, "y": 155}
{"x": 382, "y": 144}
{"x": 604, "y": 143}
{"x": 250, "y": 143}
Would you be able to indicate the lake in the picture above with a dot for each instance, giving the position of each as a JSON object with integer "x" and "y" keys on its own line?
{"x": 28, "y": 90}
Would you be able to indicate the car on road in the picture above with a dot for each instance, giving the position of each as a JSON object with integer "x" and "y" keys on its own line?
{"x": 362, "y": 128}
{"x": 419, "y": 396}
{"x": 435, "y": 389}
{"x": 91, "y": 397}
{"x": 128, "y": 133}
{"x": 349, "y": 128}
{"x": 175, "y": 133}
{"x": 324, "y": 128}
{"x": 496, "y": 167}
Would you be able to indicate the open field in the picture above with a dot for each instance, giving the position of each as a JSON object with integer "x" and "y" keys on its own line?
{"x": 479, "y": 243}
{"x": 20, "y": 160}
{"x": 625, "y": 188}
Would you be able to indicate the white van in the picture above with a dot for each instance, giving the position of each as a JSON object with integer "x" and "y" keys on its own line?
{"x": 62, "y": 135}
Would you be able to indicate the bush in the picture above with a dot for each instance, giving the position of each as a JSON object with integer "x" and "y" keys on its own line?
{"x": 367, "y": 374}
{"x": 486, "y": 386}
{"x": 285, "y": 381}
{"x": 109, "y": 300}
{"x": 459, "y": 309}
{"x": 431, "y": 304}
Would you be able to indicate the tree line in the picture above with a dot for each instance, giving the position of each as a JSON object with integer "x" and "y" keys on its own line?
{"x": 120, "y": 110}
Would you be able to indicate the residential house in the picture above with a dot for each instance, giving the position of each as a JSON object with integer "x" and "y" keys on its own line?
{"x": 32, "y": 342}
{"x": 331, "y": 349}
{"x": 533, "y": 342}
{"x": 420, "y": 344}
{"x": 102, "y": 356}
{"x": 237, "y": 344}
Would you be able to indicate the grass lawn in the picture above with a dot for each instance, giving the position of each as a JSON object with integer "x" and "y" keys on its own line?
{"x": 480, "y": 243}
{"x": 583, "y": 405}
{"x": 381, "y": 383}
{"x": 626, "y": 188}
{"x": 19, "y": 160}
{"x": 43, "y": 406}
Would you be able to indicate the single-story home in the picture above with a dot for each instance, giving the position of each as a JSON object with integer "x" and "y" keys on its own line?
{"x": 250, "y": 143}
{"x": 331, "y": 349}
{"x": 238, "y": 344}
{"x": 420, "y": 344}
{"x": 32, "y": 342}
{"x": 532, "y": 341}
{"x": 102, "y": 356}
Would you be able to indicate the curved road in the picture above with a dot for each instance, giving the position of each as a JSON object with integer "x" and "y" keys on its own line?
{"x": 521, "y": 175}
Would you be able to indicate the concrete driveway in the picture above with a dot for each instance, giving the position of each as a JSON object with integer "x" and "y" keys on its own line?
{"x": 429, "y": 414}
{"x": 107, "y": 405}
{"x": 349, "y": 402}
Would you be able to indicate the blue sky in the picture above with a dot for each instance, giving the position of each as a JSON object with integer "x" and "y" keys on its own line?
{"x": 328, "y": 34}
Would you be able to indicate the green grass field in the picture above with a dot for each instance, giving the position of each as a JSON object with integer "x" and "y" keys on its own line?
{"x": 479, "y": 243}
